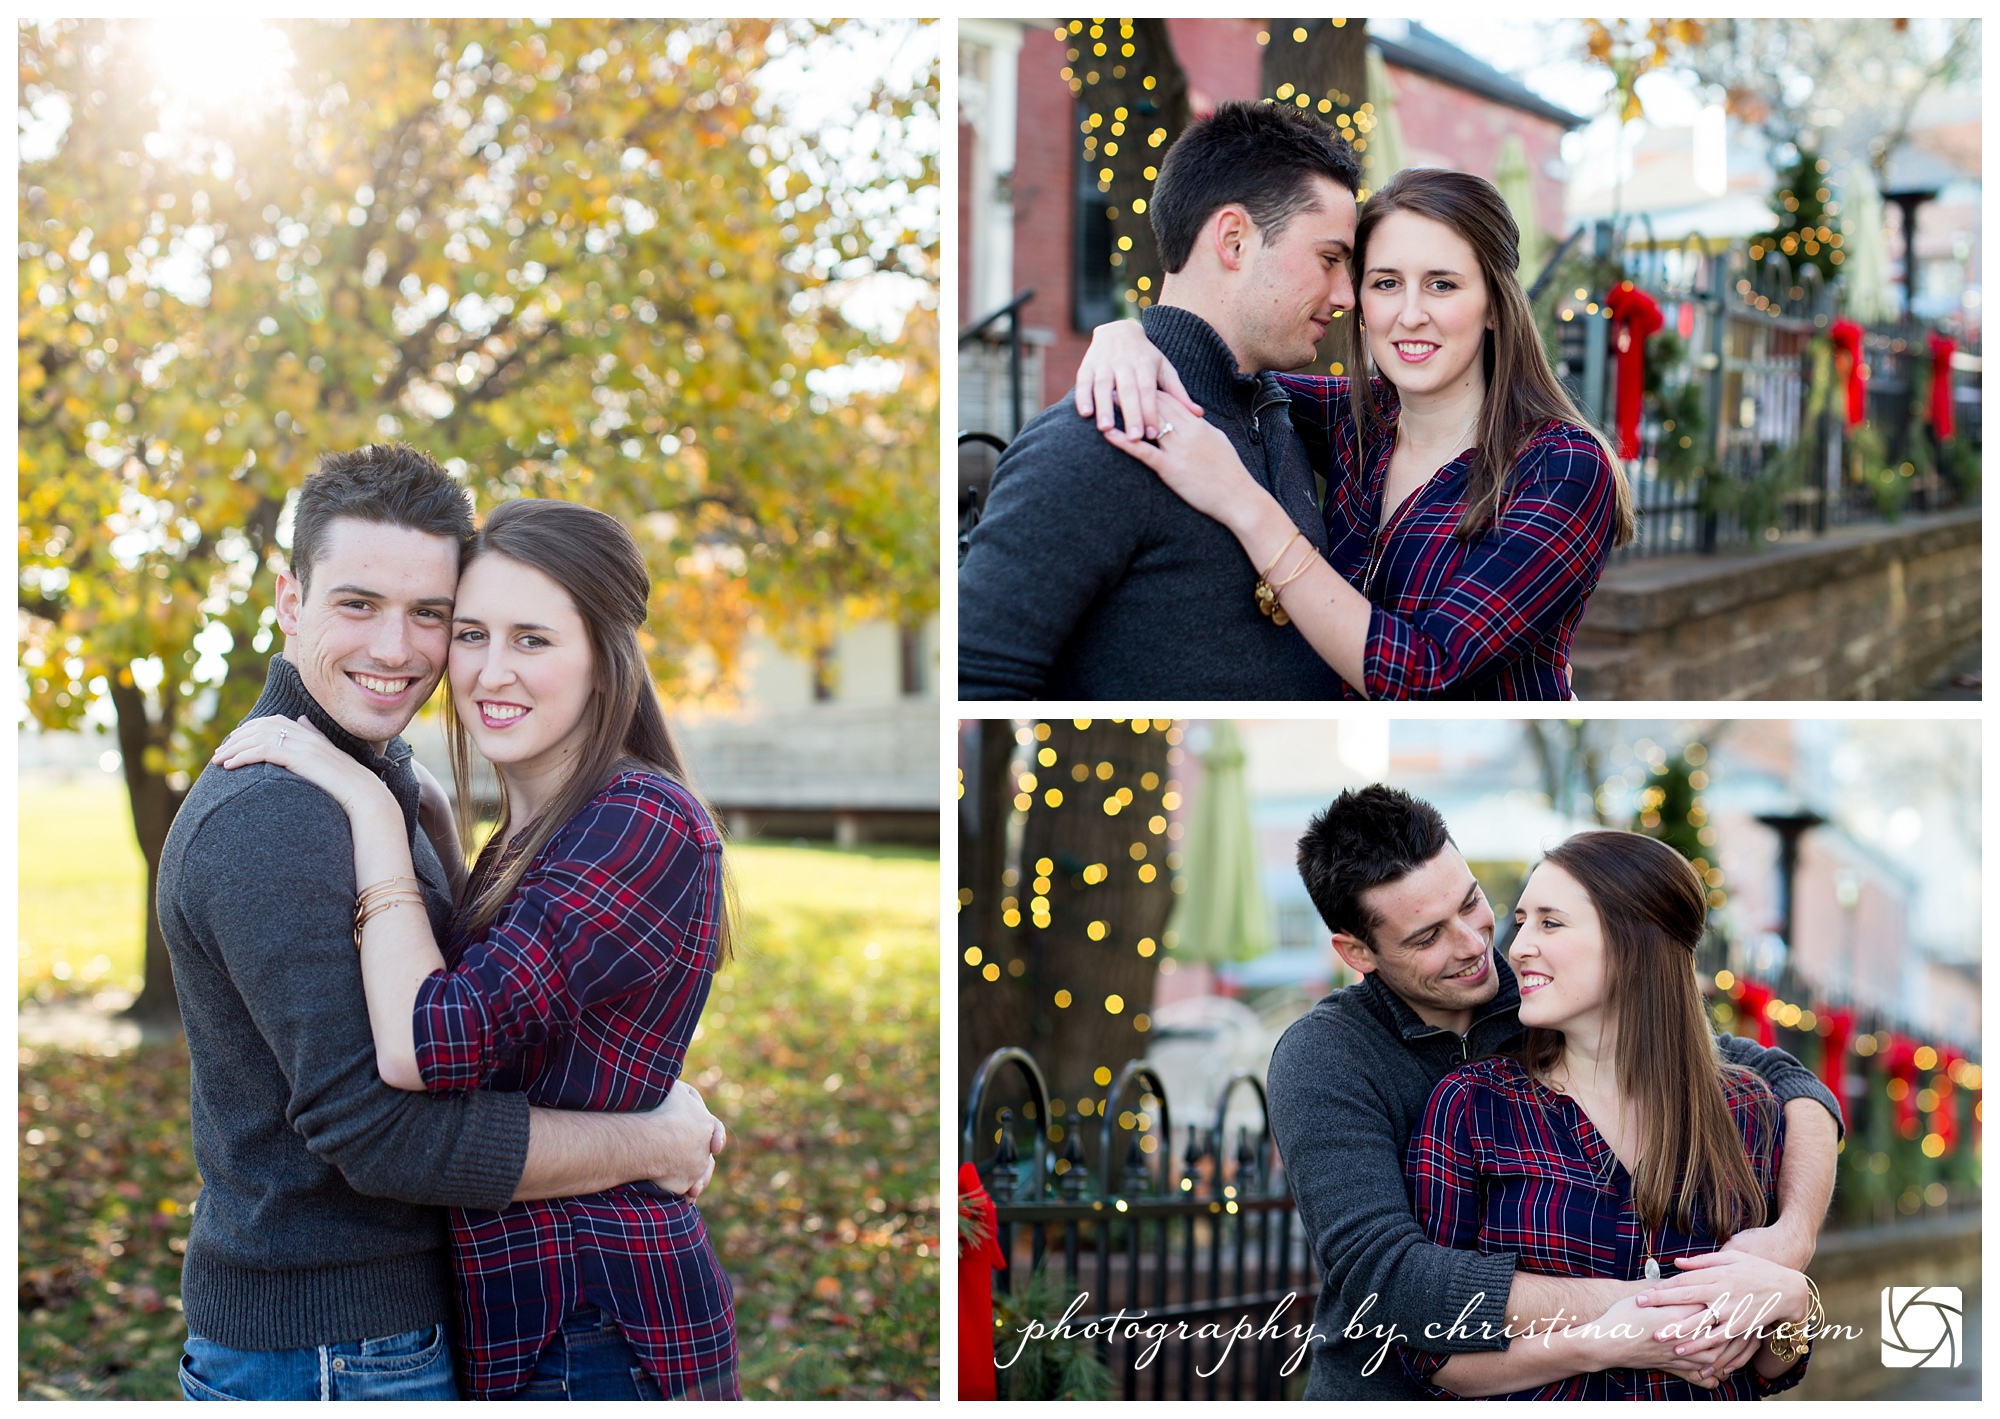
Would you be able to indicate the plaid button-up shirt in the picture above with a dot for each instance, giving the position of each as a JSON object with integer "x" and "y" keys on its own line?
{"x": 583, "y": 994}
{"x": 1489, "y": 619}
{"x": 1503, "y": 1163}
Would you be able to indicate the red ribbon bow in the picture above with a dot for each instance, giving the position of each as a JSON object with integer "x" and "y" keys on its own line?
{"x": 978, "y": 1256}
{"x": 1751, "y": 998}
{"x": 1900, "y": 1062}
{"x": 1944, "y": 1122}
{"x": 1943, "y": 421}
{"x": 1839, "y": 1026}
{"x": 1847, "y": 345}
{"x": 1634, "y": 316}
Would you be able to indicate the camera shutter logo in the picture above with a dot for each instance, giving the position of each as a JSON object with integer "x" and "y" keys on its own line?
{"x": 1922, "y": 1327}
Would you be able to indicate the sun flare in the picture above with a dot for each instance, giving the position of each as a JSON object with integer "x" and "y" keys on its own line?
{"x": 220, "y": 63}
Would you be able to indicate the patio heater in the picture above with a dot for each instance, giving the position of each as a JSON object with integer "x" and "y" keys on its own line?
{"x": 1907, "y": 200}
{"x": 1790, "y": 827}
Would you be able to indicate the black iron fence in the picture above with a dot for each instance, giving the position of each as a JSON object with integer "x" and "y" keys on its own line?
{"x": 1197, "y": 1258}
{"x": 1760, "y": 451}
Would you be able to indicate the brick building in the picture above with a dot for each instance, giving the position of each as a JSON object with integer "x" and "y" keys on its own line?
{"x": 1018, "y": 144}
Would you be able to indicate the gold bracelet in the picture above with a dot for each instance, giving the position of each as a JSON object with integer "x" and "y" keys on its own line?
{"x": 1298, "y": 569}
{"x": 1789, "y": 1345}
{"x": 376, "y": 909}
{"x": 378, "y": 897}
{"x": 1267, "y": 594}
{"x": 1296, "y": 535}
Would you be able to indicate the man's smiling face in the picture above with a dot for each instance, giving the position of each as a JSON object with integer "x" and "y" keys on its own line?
{"x": 1296, "y": 283}
{"x": 1432, "y": 943}
{"x": 370, "y": 635}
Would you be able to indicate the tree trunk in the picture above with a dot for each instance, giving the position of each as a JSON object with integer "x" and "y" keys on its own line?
{"x": 983, "y": 936}
{"x": 1330, "y": 63}
{"x": 1069, "y": 982}
{"x": 1164, "y": 106}
{"x": 142, "y": 745}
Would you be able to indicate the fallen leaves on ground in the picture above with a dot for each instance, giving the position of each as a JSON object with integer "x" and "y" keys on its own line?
{"x": 819, "y": 1049}
{"x": 107, "y": 1178}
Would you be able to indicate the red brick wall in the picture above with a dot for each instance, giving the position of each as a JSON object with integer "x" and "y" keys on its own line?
{"x": 1442, "y": 127}
{"x": 1221, "y": 58}
{"x": 1044, "y": 185}
{"x": 1450, "y": 128}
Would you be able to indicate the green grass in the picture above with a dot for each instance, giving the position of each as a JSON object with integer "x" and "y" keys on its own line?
{"x": 818, "y": 1049}
{"x": 83, "y": 890}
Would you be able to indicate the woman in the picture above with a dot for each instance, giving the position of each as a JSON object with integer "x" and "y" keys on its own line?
{"x": 1615, "y": 1140}
{"x": 1469, "y": 506}
{"x": 582, "y": 951}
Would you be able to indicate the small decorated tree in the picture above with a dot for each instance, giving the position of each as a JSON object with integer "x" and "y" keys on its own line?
{"x": 1807, "y": 227}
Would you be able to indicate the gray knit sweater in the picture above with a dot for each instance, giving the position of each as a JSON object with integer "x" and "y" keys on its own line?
{"x": 1348, "y": 1086}
{"x": 320, "y": 1213}
{"x": 1088, "y": 578}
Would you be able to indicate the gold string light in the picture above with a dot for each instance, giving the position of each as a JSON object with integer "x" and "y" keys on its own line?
{"x": 1097, "y": 51}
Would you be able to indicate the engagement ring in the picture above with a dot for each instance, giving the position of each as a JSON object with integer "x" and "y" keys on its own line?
{"x": 1166, "y": 429}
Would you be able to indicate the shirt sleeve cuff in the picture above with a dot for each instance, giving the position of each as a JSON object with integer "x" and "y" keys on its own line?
{"x": 1385, "y": 660}
{"x": 1765, "y": 1387}
{"x": 1476, "y": 1294}
{"x": 484, "y": 1170}
{"x": 450, "y": 1037}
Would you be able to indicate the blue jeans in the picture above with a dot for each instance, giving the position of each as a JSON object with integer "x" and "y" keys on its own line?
{"x": 589, "y": 1358}
{"x": 412, "y": 1366}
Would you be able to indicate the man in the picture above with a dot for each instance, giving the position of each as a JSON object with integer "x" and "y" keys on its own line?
{"x": 1348, "y": 1086}
{"x": 1087, "y": 578}
{"x": 317, "y": 1265}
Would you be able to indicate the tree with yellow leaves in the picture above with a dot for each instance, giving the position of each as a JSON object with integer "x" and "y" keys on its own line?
{"x": 582, "y": 259}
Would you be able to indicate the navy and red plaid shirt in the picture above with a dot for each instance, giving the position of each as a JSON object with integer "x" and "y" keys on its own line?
{"x": 1503, "y": 1163}
{"x": 1489, "y": 619}
{"x": 583, "y": 994}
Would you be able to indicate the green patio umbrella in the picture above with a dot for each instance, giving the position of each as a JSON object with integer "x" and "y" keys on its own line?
{"x": 1517, "y": 186}
{"x": 1865, "y": 262}
{"x": 1385, "y": 155}
{"x": 1220, "y": 917}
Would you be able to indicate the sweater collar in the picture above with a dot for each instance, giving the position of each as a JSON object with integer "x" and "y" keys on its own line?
{"x": 1409, "y": 1025}
{"x": 285, "y": 694}
{"x": 1200, "y": 357}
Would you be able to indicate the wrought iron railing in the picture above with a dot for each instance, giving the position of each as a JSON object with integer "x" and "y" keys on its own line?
{"x": 1210, "y": 1246}
{"x": 1748, "y": 328}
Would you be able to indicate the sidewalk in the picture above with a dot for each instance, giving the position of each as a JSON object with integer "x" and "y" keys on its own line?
{"x": 82, "y": 1024}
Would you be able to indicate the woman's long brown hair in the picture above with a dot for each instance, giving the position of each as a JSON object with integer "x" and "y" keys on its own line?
{"x": 593, "y": 558}
{"x": 1652, "y": 908}
{"x": 1523, "y": 395}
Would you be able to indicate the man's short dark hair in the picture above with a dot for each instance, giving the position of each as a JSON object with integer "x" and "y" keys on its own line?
{"x": 1367, "y": 837}
{"x": 1261, "y": 157}
{"x": 388, "y": 483}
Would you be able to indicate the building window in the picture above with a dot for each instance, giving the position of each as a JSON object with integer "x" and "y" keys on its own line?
{"x": 1296, "y": 923}
{"x": 910, "y": 651}
{"x": 825, "y": 673}
{"x": 1095, "y": 300}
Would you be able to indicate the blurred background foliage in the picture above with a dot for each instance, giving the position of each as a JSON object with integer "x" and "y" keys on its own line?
{"x": 586, "y": 259}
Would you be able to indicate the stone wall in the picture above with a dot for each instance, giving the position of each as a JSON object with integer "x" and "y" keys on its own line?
{"x": 1864, "y": 613}
{"x": 1852, "y": 1268}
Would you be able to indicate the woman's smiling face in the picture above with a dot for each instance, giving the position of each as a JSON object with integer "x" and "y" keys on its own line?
{"x": 521, "y": 672}
{"x": 1424, "y": 301}
{"x": 1558, "y": 952}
